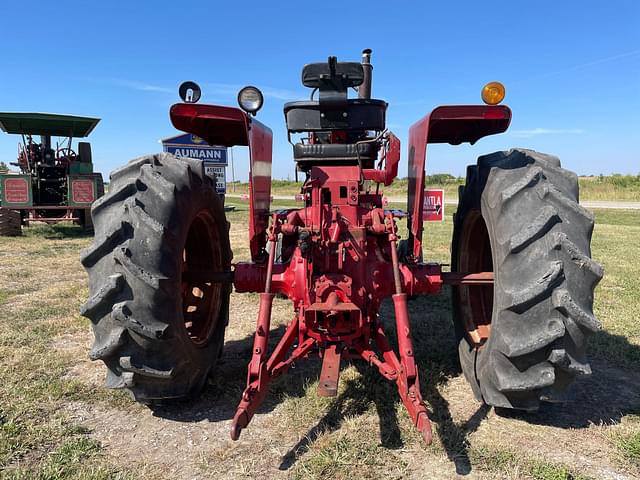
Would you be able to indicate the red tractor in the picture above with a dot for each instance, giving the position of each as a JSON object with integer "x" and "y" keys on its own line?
{"x": 522, "y": 279}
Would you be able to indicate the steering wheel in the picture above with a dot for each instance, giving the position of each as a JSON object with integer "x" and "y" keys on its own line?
{"x": 65, "y": 152}
{"x": 64, "y": 156}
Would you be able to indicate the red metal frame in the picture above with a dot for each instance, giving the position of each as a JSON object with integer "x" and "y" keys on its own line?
{"x": 454, "y": 124}
{"x": 260, "y": 147}
{"x": 33, "y": 214}
{"x": 230, "y": 126}
{"x": 339, "y": 256}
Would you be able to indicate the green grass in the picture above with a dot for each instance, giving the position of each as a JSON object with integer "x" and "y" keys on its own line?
{"x": 518, "y": 465}
{"x": 622, "y": 218}
{"x": 615, "y": 244}
{"x": 38, "y": 439}
{"x": 342, "y": 456}
{"x": 610, "y": 187}
{"x": 4, "y": 296}
{"x": 72, "y": 460}
{"x": 629, "y": 446}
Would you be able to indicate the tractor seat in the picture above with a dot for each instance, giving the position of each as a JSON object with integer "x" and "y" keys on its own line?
{"x": 308, "y": 155}
{"x": 355, "y": 114}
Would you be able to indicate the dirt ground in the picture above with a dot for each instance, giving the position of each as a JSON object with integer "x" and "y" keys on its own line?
{"x": 362, "y": 433}
{"x": 191, "y": 441}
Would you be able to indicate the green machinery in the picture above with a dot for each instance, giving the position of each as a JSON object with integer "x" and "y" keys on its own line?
{"x": 56, "y": 183}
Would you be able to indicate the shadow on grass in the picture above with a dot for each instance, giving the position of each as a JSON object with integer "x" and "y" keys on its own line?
{"x": 220, "y": 398}
{"x": 354, "y": 401}
{"x": 56, "y": 231}
{"x": 436, "y": 354}
{"x": 604, "y": 397}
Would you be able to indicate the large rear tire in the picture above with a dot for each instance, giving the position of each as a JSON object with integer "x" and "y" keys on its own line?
{"x": 10, "y": 223}
{"x": 85, "y": 221}
{"x": 158, "y": 328}
{"x": 523, "y": 339}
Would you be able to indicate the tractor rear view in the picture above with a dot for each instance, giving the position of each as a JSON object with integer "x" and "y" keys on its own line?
{"x": 55, "y": 183}
{"x": 160, "y": 271}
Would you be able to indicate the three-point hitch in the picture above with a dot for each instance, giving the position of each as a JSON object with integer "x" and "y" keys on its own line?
{"x": 160, "y": 271}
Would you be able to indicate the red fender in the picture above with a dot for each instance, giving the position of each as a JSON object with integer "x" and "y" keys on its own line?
{"x": 230, "y": 126}
{"x": 453, "y": 124}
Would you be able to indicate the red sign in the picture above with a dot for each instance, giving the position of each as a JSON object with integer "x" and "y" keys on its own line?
{"x": 82, "y": 191}
{"x": 16, "y": 190}
{"x": 433, "y": 206}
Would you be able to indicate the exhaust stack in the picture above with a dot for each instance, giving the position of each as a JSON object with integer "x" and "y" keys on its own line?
{"x": 364, "y": 90}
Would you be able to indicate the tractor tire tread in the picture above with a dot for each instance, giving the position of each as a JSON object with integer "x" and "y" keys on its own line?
{"x": 10, "y": 223}
{"x": 133, "y": 267}
{"x": 544, "y": 279}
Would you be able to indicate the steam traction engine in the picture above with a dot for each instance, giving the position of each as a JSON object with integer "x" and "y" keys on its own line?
{"x": 160, "y": 268}
{"x": 56, "y": 183}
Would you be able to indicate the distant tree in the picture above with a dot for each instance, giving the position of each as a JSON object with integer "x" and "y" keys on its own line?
{"x": 442, "y": 179}
{"x": 3, "y": 167}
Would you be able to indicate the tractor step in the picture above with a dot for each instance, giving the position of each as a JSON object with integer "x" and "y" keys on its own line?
{"x": 330, "y": 374}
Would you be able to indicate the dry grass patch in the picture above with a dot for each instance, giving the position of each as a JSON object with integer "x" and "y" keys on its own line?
{"x": 57, "y": 421}
{"x": 42, "y": 285}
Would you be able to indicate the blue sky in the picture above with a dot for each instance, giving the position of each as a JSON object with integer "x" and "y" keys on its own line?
{"x": 571, "y": 68}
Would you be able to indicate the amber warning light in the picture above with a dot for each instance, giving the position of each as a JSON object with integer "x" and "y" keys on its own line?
{"x": 493, "y": 93}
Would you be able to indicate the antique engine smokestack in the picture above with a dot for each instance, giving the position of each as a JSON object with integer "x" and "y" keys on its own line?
{"x": 364, "y": 91}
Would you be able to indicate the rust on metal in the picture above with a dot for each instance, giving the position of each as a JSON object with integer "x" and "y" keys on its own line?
{"x": 330, "y": 373}
{"x": 461, "y": 278}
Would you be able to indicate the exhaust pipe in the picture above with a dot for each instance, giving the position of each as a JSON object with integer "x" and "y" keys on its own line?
{"x": 364, "y": 90}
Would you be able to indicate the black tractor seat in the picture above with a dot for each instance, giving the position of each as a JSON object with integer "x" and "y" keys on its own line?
{"x": 354, "y": 114}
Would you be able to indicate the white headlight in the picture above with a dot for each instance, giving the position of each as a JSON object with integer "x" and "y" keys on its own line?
{"x": 250, "y": 99}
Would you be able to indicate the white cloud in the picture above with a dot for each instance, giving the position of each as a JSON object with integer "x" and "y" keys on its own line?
{"x": 545, "y": 131}
{"x": 145, "y": 87}
{"x": 133, "y": 85}
{"x": 582, "y": 66}
{"x": 229, "y": 89}
{"x": 216, "y": 90}
{"x": 281, "y": 94}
